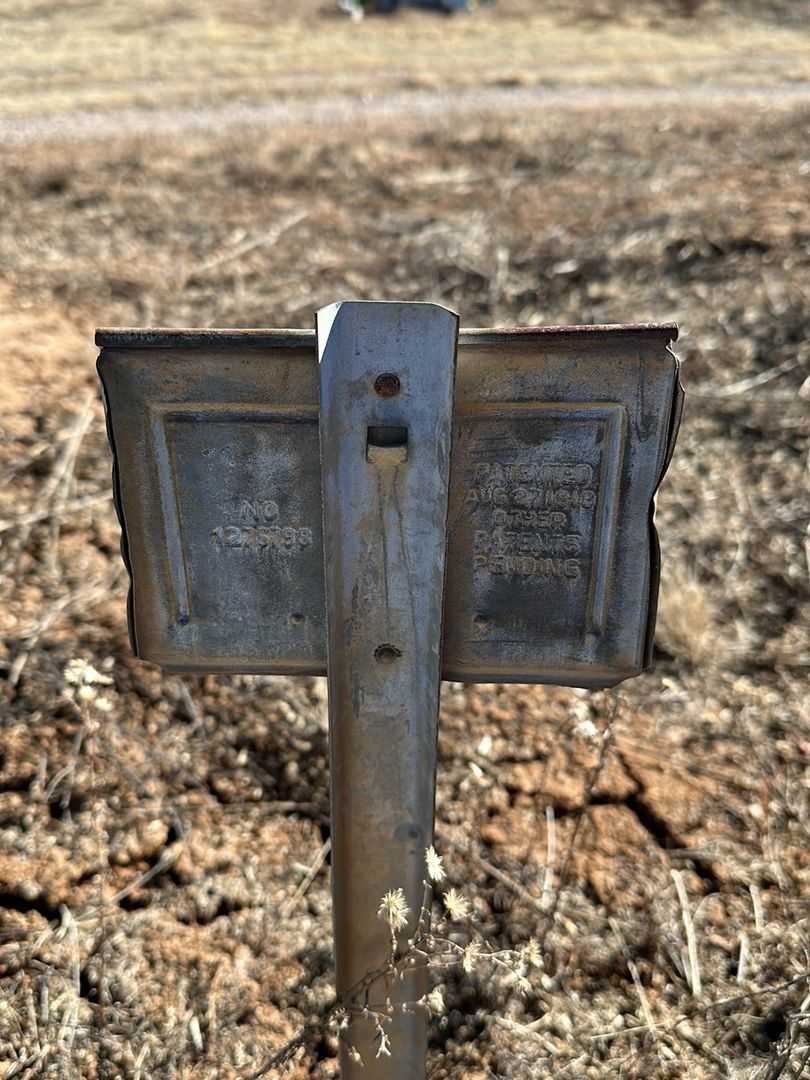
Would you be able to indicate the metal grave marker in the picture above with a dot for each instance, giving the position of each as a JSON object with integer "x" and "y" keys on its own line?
{"x": 289, "y": 501}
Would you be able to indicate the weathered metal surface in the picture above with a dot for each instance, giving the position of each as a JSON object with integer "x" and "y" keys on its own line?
{"x": 561, "y": 438}
{"x": 218, "y": 485}
{"x": 560, "y": 443}
{"x": 386, "y": 391}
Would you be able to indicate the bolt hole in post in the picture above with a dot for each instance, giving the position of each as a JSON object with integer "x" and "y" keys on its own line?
{"x": 387, "y": 654}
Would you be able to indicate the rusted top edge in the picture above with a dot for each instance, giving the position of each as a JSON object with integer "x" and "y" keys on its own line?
{"x": 131, "y": 338}
{"x": 160, "y": 338}
{"x": 473, "y": 336}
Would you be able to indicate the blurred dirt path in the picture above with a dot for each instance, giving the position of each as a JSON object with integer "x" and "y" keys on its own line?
{"x": 402, "y": 106}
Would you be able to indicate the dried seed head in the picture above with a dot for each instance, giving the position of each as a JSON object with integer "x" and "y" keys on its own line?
{"x": 435, "y": 868}
{"x": 532, "y": 954}
{"x": 470, "y": 955}
{"x": 394, "y": 909}
{"x": 83, "y": 682}
{"x": 435, "y": 1000}
{"x": 456, "y": 905}
{"x": 80, "y": 673}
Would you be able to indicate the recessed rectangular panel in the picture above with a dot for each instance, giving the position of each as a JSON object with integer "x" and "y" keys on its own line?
{"x": 561, "y": 437}
{"x": 218, "y": 480}
{"x": 535, "y": 499}
{"x": 240, "y": 492}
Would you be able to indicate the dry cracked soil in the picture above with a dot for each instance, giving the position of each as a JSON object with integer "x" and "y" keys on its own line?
{"x": 154, "y": 838}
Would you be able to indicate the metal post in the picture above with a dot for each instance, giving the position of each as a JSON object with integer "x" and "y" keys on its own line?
{"x": 386, "y": 388}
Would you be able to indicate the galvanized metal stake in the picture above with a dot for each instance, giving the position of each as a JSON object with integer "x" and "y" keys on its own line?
{"x": 386, "y": 392}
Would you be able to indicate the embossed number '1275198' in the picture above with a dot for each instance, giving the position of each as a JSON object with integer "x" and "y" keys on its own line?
{"x": 262, "y": 537}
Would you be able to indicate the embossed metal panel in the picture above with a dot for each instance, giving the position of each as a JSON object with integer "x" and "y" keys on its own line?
{"x": 561, "y": 437}
{"x": 218, "y": 483}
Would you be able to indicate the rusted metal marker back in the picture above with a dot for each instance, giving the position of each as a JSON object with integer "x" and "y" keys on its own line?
{"x": 560, "y": 439}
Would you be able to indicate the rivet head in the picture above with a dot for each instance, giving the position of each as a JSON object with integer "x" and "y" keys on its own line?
{"x": 387, "y": 385}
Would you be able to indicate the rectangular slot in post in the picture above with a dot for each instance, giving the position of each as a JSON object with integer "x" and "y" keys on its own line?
{"x": 387, "y": 444}
{"x": 387, "y": 435}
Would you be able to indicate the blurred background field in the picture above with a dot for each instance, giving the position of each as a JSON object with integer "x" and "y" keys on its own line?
{"x": 164, "y": 895}
{"x": 99, "y": 54}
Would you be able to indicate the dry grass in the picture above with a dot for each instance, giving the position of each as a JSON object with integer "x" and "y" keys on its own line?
{"x": 691, "y": 626}
{"x": 159, "y": 915}
{"x": 102, "y": 55}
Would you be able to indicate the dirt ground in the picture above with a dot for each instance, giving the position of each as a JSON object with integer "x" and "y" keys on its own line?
{"x": 154, "y": 841}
